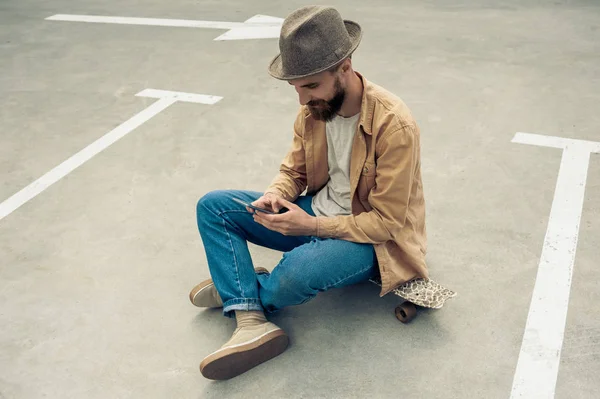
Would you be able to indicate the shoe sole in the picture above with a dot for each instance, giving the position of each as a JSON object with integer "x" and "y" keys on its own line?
{"x": 201, "y": 287}
{"x": 208, "y": 283}
{"x": 231, "y": 362}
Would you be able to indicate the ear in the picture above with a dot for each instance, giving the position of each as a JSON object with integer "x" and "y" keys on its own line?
{"x": 346, "y": 65}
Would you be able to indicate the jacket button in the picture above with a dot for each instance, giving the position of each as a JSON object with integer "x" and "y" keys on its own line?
{"x": 365, "y": 170}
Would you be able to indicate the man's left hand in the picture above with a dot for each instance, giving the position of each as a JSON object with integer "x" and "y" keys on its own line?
{"x": 294, "y": 222}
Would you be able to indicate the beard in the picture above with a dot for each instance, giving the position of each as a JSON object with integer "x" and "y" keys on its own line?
{"x": 327, "y": 110}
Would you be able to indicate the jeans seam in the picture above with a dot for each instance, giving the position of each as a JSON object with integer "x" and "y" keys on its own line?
{"x": 231, "y": 210}
{"x": 237, "y": 276}
{"x": 347, "y": 277}
{"x": 221, "y": 213}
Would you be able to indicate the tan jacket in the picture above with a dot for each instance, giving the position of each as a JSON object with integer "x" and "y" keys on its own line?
{"x": 388, "y": 208}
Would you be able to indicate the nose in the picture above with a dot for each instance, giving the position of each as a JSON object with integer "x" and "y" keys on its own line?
{"x": 303, "y": 97}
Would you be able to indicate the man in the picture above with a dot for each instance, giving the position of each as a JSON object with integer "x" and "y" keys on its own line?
{"x": 356, "y": 151}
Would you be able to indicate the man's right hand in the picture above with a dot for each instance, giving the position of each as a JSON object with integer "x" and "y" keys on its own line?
{"x": 266, "y": 201}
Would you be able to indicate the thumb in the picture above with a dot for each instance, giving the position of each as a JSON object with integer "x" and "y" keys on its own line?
{"x": 284, "y": 203}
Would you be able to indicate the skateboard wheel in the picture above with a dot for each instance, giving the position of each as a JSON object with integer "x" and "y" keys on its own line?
{"x": 406, "y": 312}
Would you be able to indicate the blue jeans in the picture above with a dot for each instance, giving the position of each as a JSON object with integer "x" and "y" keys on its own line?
{"x": 309, "y": 264}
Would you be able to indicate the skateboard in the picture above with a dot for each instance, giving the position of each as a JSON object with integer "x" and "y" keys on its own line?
{"x": 418, "y": 292}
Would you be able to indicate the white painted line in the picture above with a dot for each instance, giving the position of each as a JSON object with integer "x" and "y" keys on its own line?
{"x": 250, "y": 33}
{"x": 552, "y": 141}
{"x": 180, "y": 96}
{"x": 270, "y": 27}
{"x": 60, "y": 171}
{"x": 539, "y": 358}
{"x": 180, "y": 23}
{"x": 257, "y": 27}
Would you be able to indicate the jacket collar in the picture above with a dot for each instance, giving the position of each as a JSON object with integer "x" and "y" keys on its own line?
{"x": 366, "y": 107}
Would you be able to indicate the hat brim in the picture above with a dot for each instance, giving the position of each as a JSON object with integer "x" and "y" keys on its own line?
{"x": 355, "y": 33}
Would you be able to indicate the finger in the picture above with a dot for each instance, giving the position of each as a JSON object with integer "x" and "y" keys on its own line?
{"x": 262, "y": 200}
{"x": 263, "y": 222}
{"x": 266, "y": 217}
{"x": 262, "y": 203}
{"x": 290, "y": 205}
{"x": 273, "y": 203}
{"x": 258, "y": 219}
{"x": 263, "y": 217}
{"x": 283, "y": 203}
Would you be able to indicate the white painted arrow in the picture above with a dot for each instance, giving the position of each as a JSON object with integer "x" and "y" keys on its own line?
{"x": 165, "y": 99}
{"x": 257, "y": 27}
{"x": 271, "y": 27}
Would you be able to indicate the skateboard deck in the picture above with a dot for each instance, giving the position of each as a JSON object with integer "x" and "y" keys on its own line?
{"x": 421, "y": 292}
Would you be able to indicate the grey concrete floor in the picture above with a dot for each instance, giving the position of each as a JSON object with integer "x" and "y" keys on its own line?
{"x": 95, "y": 271}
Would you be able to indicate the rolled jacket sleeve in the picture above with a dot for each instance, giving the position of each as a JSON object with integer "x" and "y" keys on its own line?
{"x": 397, "y": 154}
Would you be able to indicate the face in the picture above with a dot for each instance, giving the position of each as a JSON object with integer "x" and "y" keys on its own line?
{"x": 323, "y": 93}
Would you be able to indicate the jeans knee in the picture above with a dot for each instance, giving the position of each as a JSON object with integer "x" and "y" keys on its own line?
{"x": 287, "y": 287}
{"x": 291, "y": 283}
{"x": 208, "y": 201}
{"x": 205, "y": 208}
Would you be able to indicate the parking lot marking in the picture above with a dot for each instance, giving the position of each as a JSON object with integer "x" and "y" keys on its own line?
{"x": 539, "y": 358}
{"x": 165, "y": 99}
{"x": 268, "y": 27}
{"x": 257, "y": 27}
{"x": 180, "y": 96}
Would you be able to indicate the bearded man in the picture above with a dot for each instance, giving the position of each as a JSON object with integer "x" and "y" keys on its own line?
{"x": 348, "y": 200}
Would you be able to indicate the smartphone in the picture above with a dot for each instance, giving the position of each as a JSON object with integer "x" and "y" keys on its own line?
{"x": 239, "y": 201}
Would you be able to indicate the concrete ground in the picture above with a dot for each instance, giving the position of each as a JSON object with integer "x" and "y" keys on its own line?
{"x": 95, "y": 271}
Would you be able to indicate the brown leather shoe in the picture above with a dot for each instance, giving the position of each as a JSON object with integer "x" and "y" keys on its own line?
{"x": 248, "y": 347}
{"x": 205, "y": 295}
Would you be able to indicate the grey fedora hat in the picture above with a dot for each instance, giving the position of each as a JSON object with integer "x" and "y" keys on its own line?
{"x": 312, "y": 40}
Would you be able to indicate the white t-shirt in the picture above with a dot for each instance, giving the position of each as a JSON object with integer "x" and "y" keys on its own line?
{"x": 334, "y": 198}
